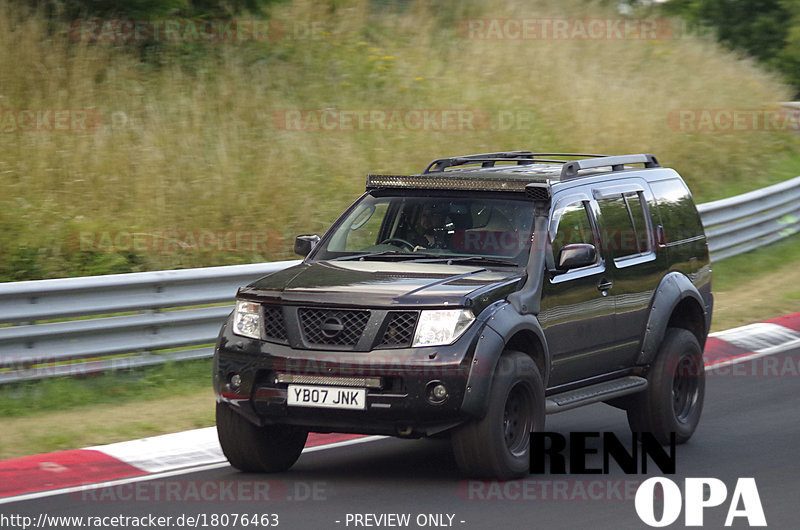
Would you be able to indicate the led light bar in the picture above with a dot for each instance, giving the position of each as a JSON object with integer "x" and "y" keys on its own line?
{"x": 440, "y": 182}
{"x": 368, "y": 382}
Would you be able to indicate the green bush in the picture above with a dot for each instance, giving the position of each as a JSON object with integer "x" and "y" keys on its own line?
{"x": 149, "y": 9}
{"x": 768, "y": 30}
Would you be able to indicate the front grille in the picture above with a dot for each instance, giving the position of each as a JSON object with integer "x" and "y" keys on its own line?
{"x": 274, "y": 324}
{"x": 332, "y": 327}
{"x": 400, "y": 329}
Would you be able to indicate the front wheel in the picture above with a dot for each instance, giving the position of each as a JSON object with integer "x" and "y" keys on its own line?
{"x": 498, "y": 445}
{"x": 674, "y": 397}
{"x": 248, "y": 447}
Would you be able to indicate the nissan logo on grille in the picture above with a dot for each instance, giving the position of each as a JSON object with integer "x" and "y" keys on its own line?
{"x": 332, "y": 326}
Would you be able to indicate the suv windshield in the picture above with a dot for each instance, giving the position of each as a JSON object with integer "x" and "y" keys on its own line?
{"x": 433, "y": 227}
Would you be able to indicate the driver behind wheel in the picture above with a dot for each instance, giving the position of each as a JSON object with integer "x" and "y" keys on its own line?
{"x": 430, "y": 229}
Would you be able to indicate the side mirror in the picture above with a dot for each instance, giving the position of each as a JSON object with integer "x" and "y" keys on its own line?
{"x": 576, "y": 255}
{"x": 303, "y": 245}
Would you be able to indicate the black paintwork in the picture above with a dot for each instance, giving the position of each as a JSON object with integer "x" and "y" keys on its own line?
{"x": 379, "y": 284}
{"x": 581, "y": 326}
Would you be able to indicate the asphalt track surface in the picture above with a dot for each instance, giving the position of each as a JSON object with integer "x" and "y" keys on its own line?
{"x": 749, "y": 428}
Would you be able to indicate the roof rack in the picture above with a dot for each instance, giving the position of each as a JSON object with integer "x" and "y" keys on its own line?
{"x": 489, "y": 159}
{"x": 617, "y": 163}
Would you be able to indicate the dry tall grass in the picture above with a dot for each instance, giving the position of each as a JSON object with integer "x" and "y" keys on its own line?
{"x": 192, "y": 144}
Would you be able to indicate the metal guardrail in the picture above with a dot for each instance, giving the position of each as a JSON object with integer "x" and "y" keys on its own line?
{"x": 79, "y": 326}
{"x": 751, "y": 220}
{"x": 154, "y": 318}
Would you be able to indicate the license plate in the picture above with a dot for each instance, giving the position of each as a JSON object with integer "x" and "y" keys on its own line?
{"x": 333, "y": 397}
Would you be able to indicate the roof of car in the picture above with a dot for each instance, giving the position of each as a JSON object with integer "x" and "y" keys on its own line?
{"x": 508, "y": 171}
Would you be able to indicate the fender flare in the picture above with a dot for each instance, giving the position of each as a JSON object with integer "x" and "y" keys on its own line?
{"x": 673, "y": 289}
{"x": 502, "y": 323}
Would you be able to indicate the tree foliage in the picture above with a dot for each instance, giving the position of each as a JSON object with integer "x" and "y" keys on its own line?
{"x": 148, "y": 9}
{"x": 769, "y": 30}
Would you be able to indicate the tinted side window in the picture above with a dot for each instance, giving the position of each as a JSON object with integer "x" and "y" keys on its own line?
{"x": 626, "y": 226}
{"x": 678, "y": 213}
{"x": 638, "y": 211}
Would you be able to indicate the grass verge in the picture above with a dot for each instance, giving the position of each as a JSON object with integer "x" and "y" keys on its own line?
{"x": 757, "y": 285}
{"x": 67, "y": 413}
{"x": 97, "y": 424}
{"x": 200, "y": 141}
{"x": 66, "y": 393}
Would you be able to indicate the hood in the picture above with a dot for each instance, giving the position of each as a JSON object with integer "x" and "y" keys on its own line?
{"x": 382, "y": 284}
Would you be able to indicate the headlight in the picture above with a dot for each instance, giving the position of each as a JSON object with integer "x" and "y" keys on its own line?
{"x": 441, "y": 326}
{"x": 247, "y": 320}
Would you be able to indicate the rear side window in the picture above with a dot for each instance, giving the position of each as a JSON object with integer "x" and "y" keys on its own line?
{"x": 627, "y": 231}
{"x": 641, "y": 227}
{"x": 678, "y": 213}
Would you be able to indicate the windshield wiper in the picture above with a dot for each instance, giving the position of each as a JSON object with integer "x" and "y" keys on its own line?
{"x": 485, "y": 259}
{"x": 430, "y": 258}
{"x": 392, "y": 253}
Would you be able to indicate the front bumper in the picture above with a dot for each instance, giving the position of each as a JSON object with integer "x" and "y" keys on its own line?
{"x": 397, "y": 406}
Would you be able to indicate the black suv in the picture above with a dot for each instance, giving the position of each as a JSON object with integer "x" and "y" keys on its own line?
{"x": 470, "y": 302}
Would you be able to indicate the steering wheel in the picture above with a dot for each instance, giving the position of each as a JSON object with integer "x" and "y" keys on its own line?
{"x": 393, "y": 240}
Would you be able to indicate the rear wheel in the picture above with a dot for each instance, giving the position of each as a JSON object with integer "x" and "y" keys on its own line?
{"x": 674, "y": 397}
{"x": 498, "y": 445}
{"x": 266, "y": 449}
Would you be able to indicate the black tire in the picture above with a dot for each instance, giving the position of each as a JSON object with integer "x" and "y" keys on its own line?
{"x": 498, "y": 445}
{"x": 248, "y": 447}
{"x": 673, "y": 400}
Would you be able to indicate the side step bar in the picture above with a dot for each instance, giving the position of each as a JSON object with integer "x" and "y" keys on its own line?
{"x": 594, "y": 393}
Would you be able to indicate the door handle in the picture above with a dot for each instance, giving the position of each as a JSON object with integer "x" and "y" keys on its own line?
{"x": 604, "y": 286}
{"x": 661, "y": 239}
